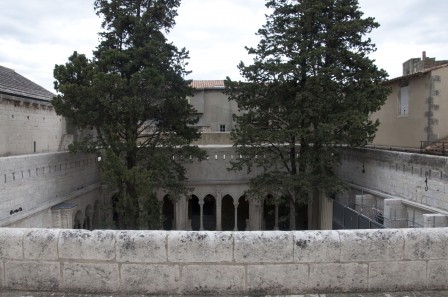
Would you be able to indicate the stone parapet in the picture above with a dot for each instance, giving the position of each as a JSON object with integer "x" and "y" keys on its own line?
{"x": 203, "y": 263}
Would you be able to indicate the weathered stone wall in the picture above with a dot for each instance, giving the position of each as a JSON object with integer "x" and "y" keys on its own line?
{"x": 31, "y": 184}
{"x": 176, "y": 262}
{"x": 29, "y": 126}
{"x": 415, "y": 177}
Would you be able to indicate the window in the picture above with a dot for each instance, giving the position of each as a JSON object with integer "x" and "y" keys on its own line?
{"x": 222, "y": 128}
{"x": 403, "y": 103}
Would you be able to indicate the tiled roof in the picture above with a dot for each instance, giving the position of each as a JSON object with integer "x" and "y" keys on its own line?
{"x": 15, "y": 84}
{"x": 416, "y": 74}
{"x": 207, "y": 84}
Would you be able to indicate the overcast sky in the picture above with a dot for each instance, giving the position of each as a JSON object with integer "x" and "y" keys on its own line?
{"x": 37, "y": 34}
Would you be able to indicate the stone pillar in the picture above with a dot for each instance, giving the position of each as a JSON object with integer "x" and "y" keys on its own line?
{"x": 394, "y": 213}
{"x": 276, "y": 217}
{"x": 67, "y": 218}
{"x": 62, "y": 215}
{"x": 235, "y": 206}
{"x": 435, "y": 220}
{"x": 201, "y": 214}
{"x": 254, "y": 214}
{"x": 326, "y": 212}
{"x": 180, "y": 207}
{"x": 218, "y": 210}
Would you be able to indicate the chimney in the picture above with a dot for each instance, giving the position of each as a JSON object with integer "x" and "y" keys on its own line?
{"x": 423, "y": 56}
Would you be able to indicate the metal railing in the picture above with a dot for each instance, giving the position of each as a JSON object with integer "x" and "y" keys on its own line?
{"x": 345, "y": 217}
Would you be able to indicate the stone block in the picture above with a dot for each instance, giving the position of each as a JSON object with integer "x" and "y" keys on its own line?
{"x": 277, "y": 279}
{"x": 41, "y": 276}
{"x": 397, "y": 276}
{"x": 371, "y": 245}
{"x": 11, "y": 243}
{"x": 200, "y": 246}
{"x": 264, "y": 246}
{"x": 438, "y": 275}
{"x": 338, "y": 277}
{"x": 150, "y": 279}
{"x": 88, "y": 245}
{"x": 426, "y": 244}
{"x": 213, "y": 279}
{"x": 90, "y": 277}
{"x": 141, "y": 246}
{"x": 316, "y": 246}
{"x": 41, "y": 244}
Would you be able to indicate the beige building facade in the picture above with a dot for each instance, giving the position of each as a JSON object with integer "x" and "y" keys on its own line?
{"x": 416, "y": 111}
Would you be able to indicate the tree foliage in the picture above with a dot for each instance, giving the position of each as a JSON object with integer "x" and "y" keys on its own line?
{"x": 310, "y": 88}
{"x": 132, "y": 97}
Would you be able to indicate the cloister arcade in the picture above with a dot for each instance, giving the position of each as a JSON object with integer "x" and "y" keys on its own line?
{"x": 214, "y": 211}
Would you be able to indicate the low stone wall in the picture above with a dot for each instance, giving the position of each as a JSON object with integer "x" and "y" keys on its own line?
{"x": 180, "y": 262}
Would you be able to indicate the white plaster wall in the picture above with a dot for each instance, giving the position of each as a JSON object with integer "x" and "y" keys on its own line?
{"x": 37, "y": 182}
{"x": 204, "y": 263}
{"x": 23, "y": 122}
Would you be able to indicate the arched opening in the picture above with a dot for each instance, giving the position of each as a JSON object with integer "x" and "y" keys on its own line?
{"x": 77, "y": 221}
{"x": 168, "y": 213}
{"x": 227, "y": 213}
{"x": 194, "y": 212}
{"x": 96, "y": 215}
{"x": 268, "y": 213}
{"x": 209, "y": 213}
{"x": 243, "y": 213}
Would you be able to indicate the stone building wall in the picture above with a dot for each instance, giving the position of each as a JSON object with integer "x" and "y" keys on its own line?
{"x": 30, "y": 126}
{"x": 205, "y": 263}
{"x": 413, "y": 186}
{"x": 31, "y": 184}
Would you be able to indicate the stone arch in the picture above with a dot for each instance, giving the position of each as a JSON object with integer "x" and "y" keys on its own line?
{"x": 227, "y": 213}
{"x": 242, "y": 213}
{"x": 168, "y": 213}
{"x": 77, "y": 220}
{"x": 209, "y": 213}
{"x": 88, "y": 214}
{"x": 194, "y": 212}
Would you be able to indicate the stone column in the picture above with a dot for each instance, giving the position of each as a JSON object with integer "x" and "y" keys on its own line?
{"x": 326, "y": 212}
{"x": 235, "y": 206}
{"x": 201, "y": 214}
{"x": 276, "y": 217}
{"x": 180, "y": 213}
{"x": 218, "y": 210}
{"x": 67, "y": 218}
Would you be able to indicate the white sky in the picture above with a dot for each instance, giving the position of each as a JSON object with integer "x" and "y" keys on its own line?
{"x": 37, "y": 34}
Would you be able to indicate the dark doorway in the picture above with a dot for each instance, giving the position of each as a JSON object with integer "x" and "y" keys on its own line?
{"x": 194, "y": 212}
{"x": 209, "y": 218}
{"x": 227, "y": 213}
{"x": 168, "y": 213}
